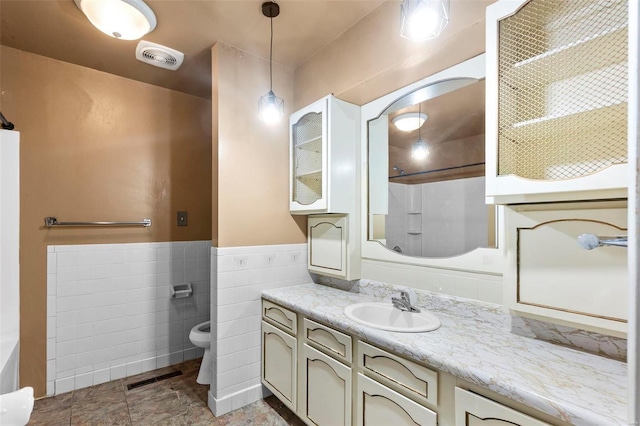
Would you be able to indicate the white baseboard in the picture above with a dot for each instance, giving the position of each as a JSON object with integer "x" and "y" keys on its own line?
{"x": 237, "y": 400}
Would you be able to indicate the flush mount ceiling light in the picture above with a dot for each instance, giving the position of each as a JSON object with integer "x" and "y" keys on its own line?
{"x": 409, "y": 121}
{"x": 123, "y": 19}
{"x": 270, "y": 107}
{"x": 424, "y": 19}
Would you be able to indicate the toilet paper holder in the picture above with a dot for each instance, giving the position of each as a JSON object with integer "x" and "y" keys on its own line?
{"x": 181, "y": 290}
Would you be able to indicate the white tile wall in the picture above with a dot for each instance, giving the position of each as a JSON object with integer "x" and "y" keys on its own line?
{"x": 453, "y": 221}
{"x": 238, "y": 276}
{"x": 110, "y": 314}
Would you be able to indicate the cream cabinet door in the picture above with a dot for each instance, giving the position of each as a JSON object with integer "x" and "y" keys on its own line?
{"x": 378, "y": 405}
{"x": 279, "y": 363}
{"x": 474, "y": 410}
{"x": 326, "y": 392}
{"x": 328, "y": 244}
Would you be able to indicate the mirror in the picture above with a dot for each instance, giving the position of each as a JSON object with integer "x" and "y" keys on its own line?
{"x": 426, "y": 179}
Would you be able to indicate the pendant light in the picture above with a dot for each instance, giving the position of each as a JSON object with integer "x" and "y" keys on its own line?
{"x": 270, "y": 107}
{"x": 419, "y": 149}
{"x": 122, "y": 19}
{"x": 424, "y": 19}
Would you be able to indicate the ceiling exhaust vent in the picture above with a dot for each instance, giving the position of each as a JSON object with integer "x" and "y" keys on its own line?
{"x": 158, "y": 55}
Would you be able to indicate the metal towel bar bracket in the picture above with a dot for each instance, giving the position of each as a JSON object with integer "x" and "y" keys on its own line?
{"x": 51, "y": 222}
{"x": 591, "y": 241}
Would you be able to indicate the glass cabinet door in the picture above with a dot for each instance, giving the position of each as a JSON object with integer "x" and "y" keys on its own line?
{"x": 307, "y": 159}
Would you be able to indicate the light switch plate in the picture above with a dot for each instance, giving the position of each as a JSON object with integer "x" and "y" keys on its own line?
{"x": 182, "y": 218}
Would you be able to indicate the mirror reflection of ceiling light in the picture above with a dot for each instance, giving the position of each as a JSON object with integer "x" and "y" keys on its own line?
{"x": 409, "y": 121}
{"x": 123, "y": 19}
{"x": 424, "y": 19}
{"x": 419, "y": 150}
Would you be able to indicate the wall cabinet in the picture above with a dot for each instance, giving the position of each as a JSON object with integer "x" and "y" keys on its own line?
{"x": 548, "y": 274}
{"x": 475, "y": 410}
{"x": 324, "y": 137}
{"x": 557, "y": 78}
{"x": 333, "y": 248}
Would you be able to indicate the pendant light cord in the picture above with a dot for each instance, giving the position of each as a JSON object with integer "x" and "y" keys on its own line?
{"x": 419, "y": 113}
{"x": 271, "y": 58}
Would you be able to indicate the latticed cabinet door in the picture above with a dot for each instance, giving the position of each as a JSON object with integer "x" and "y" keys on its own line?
{"x": 308, "y": 162}
{"x": 557, "y": 89}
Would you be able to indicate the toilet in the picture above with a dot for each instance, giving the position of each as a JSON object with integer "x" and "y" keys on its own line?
{"x": 16, "y": 407}
{"x": 200, "y": 336}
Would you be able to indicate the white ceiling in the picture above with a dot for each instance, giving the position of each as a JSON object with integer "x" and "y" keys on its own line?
{"x": 59, "y": 30}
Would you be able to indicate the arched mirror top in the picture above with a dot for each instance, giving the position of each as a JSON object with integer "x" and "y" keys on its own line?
{"x": 425, "y": 199}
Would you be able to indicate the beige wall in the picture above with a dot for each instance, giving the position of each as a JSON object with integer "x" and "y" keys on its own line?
{"x": 253, "y": 157}
{"x": 371, "y": 59}
{"x": 95, "y": 146}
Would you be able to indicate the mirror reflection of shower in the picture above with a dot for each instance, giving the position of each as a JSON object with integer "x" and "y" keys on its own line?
{"x": 435, "y": 207}
{"x": 400, "y": 171}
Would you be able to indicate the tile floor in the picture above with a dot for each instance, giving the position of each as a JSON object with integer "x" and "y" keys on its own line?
{"x": 176, "y": 401}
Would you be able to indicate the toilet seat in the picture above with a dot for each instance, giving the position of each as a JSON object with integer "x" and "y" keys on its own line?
{"x": 200, "y": 335}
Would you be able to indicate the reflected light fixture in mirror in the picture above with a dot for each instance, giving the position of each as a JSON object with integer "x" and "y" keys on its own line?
{"x": 419, "y": 149}
{"x": 122, "y": 19}
{"x": 270, "y": 107}
{"x": 409, "y": 121}
{"x": 424, "y": 19}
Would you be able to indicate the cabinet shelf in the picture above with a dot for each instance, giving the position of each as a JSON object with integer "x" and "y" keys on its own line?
{"x": 538, "y": 127}
{"x": 559, "y": 63}
{"x": 312, "y": 144}
{"x": 312, "y": 174}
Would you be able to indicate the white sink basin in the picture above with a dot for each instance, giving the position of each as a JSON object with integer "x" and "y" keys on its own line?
{"x": 384, "y": 316}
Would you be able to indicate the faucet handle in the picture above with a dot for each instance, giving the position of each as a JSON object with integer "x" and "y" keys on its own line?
{"x": 409, "y": 295}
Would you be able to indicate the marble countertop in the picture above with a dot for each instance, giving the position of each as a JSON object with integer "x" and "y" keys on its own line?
{"x": 473, "y": 344}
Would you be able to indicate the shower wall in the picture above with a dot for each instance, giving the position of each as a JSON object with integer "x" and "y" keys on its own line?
{"x": 437, "y": 219}
{"x": 110, "y": 313}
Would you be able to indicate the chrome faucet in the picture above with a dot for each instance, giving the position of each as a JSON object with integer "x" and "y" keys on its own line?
{"x": 404, "y": 302}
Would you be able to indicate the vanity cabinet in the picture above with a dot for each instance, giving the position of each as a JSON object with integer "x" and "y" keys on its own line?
{"x": 279, "y": 356}
{"x": 325, "y": 376}
{"x": 329, "y": 378}
{"x": 557, "y": 78}
{"x": 324, "y": 137}
{"x": 475, "y": 410}
{"x": 413, "y": 380}
{"x": 377, "y": 405}
{"x": 326, "y": 391}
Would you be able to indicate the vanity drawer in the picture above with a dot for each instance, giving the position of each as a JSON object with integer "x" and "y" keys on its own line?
{"x": 472, "y": 410}
{"x": 279, "y": 316}
{"x": 377, "y": 405}
{"x": 328, "y": 340}
{"x": 410, "y": 379}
